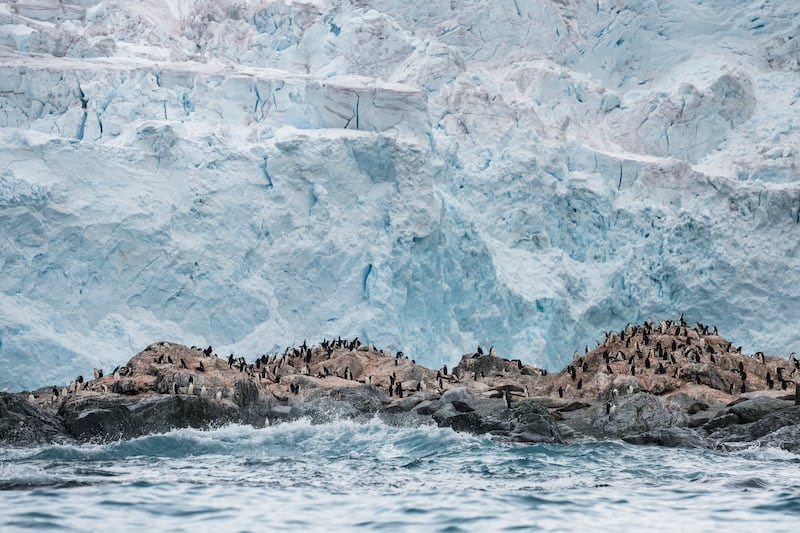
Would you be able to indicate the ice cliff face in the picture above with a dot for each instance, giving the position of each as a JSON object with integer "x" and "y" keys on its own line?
{"x": 425, "y": 175}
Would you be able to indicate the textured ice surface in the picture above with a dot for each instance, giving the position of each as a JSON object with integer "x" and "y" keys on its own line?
{"x": 425, "y": 175}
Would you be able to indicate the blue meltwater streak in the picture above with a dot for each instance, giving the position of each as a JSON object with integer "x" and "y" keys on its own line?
{"x": 373, "y": 476}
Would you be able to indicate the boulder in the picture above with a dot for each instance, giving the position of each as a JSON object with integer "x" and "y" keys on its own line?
{"x": 532, "y": 422}
{"x": 105, "y": 418}
{"x": 674, "y": 437}
{"x": 364, "y": 398}
{"x": 755, "y": 408}
{"x": 722, "y": 420}
{"x": 23, "y": 423}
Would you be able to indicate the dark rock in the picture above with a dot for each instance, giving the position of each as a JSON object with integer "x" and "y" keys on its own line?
{"x": 755, "y": 408}
{"x": 488, "y": 365}
{"x": 428, "y": 407}
{"x": 125, "y": 386}
{"x": 253, "y": 409}
{"x": 462, "y": 407}
{"x": 573, "y": 406}
{"x": 456, "y": 394}
{"x": 638, "y": 413}
{"x": 102, "y": 419}
{"x": 23, "y": 423}
{"x": 468, "y": 422}
{"x": 643, "y": 412}
{"x": 674, "y": 437}
{"x": 705, "y": 374}
{"x": 774, "y": 421}
{"x": 786, "y": 438}
{"x": 721, "y": 421}
{"x": 364, "y": 398}
{"x": 532, "y": 422}
{"x": 696, "y": 407}
{"x": 123, "y": 417}
{"x": 404, "y": 405}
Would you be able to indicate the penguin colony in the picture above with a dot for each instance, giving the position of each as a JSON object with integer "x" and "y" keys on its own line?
{"x": 655, "y": 357}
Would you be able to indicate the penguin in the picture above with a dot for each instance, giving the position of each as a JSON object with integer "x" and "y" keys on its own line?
{"x": 201, "y": 367}
{"x": 560, "y": 392}
{"x": 580, "y": 384}
{"x": 203, "y": 391}
{"x": 608, "y": 408}
{"x": 730, "y": 389}
{"x": 174, "y": 388}
{"x": 169, "y": 360}
{"x": 190, "y": 390}
{"x": 399, "y": 390}
{"x": 507, "y": 398}
{"x": 480, "y": 350}
{"x": 31, "y": 398}
{"x": 183, "y": 364}
{"x": 492, "y": 352}
{"x": 744, "y": 387}
{"x": 105, "y": 388}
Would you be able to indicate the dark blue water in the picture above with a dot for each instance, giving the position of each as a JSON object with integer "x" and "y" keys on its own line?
{"x": 345, "y": 476}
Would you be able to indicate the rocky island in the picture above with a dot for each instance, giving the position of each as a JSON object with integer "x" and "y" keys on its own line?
{"x": 664, "y": 383}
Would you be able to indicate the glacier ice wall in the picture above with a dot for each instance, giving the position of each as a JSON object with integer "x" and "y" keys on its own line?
{"x": 425, "y": 175}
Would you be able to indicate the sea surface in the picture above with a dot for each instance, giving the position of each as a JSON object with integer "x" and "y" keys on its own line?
{"x": 346, "y": 476}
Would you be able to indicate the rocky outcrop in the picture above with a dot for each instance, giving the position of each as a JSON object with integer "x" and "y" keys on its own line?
{"x": 112, "y": 418}
{"x": 666, "y": 384}
{"x": 24, "y": 423}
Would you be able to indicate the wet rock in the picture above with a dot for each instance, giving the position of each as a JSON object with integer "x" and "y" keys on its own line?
{"x": 23, "y": 423}
{"x": 364, "y": 398}
{"x": 404, "y": 405}
{"x": 457, "y": 394}
{"x": 121, "y": 417}
{"x": 696, "y": 407}
{"x": 722, "y": 420}
{"x": 532, "y": 422}
{"x": 634, "y": 414}
{"x": 674, "y": 437}
{"x": 428, "y": 407}
{"x": 786, "y": 438}
{"x": 755, "y": 408}
{"x": 462, "y": 407}
{"x": 467, "y": 422}
{"x": 573, "y": 406}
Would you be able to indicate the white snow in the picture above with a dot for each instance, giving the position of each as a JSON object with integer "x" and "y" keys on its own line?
{"x": 425, "y": 175}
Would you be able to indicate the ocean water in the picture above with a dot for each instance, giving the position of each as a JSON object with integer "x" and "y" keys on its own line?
{"x": 350, "y": 476}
